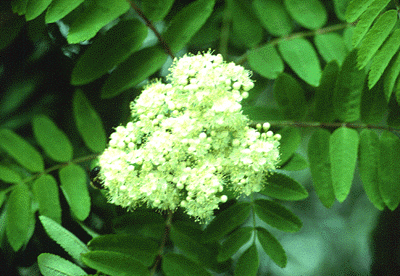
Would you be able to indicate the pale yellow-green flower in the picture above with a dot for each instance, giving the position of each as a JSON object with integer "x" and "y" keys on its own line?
{"x": 188, "y": 141}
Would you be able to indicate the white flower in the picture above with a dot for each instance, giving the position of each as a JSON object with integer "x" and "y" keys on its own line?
{"x": 188, "y": 141}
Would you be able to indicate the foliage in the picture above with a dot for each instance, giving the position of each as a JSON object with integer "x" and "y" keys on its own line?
{"x": 334, "y": 70}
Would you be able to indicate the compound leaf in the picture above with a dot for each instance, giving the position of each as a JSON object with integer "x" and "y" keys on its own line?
{"x": 52, "y": 139}
{"x": 389, "y": 169}
{"x": 226, "y": 221}
{"x": 283, "y": 187}
{"x": 108, "y": 51}
{"x": 50, "y": 265}
{"x": 73, "y": 184}
{"x": 156, "y": 10}
{"x": 348, "y": 89}
{"x": 277, "y": 216}
{"x": 320, "y": 166}
{"x": 356, "y": 8}
{"x": 60, "y": 8}
{"x": 310, "y": 14}
{"x": 302, "y": 58}
{"x": 21, "y": 151}
{"x": 375, "y": 37}
{"x": 114, "y": 263}
{"x": 290, "y": 97}
{"x": 19, "y": 218}
{"x": 133, "y": 70}
{"x": 88, "y": 123}
{"x": 93, "y": 17}
{"x": 248, "y": 262}
{"x": 45, "y": 190}
{"x": 35, "y": 8}
{"x": 323, "y": 107}
{"x": 290, "y": 141}
{"x": 343, "y": 146}
{"x": 234, "y": 242}
{"x": 141, "y": 249}
{"x": 274, "y": 16}
{"x": 368, "y": 164}
{"x": 331, "y": 47}
{"x": 272, "y": 247}
{"x": 71, "y": 244}
{"x": 366, "y": 20}
{"x": 266, "y": 61}
{"x": 383, "y": 57}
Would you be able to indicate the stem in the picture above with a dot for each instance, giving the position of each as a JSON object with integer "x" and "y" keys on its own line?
{"x": 149, "y": 24}
{"x": 276, "y": 41}
{"x": 163, "y": 242}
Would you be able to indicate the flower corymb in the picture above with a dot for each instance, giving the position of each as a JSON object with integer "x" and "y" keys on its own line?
{"x": 188, "y": 141}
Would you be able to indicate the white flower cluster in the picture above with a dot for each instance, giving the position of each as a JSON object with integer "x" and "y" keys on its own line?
{"x": 188, "y": 141}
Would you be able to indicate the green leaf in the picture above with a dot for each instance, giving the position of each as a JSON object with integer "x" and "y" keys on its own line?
{"x": 186, "y": 23}
{"x": 331, "y": 47}
{"x": 156, "y": 10}
{"x": 114, "y": 263}
{"x": 45, "y": 190}
{"x": 356, "y": 8}
{"x": 373, "y": 104}
{"x": 289, "y": 143}
{"x": 141, "y": 249}
{"x": 35, "y": 8}
{"x": 248, "y": 262}
{"x": 366, "y": 20}
{"x": 143, "y": 222}
{"x": 93, "y": 17}
{"x": 302, "y": 58}
{"x": 19, "y": 218}
{"x": 320, "y": 166}
{"x": 9, "y": 31}
{"x": 348, "y": 89}
{"x": 53, "y": 140}
{"x": 263, "y": 114}
{"x": 272, "y": 247}
{"x": 391, "y": 76}
{"x": 290, "y": 97}
{"x": 343, "y": 146}
{"x": 226, "y": 221}
{"x": 9, "y": 176}
{"x": 389, "y": 169}
{"x": 89, "y": 123}
{"x": 134, "y": 70}
{"x": 19, "y": 6}
{"x": 277, "y": 216}
{"x": 21, "y": 151}
{"x": 51, "y": 265}
{"x": 234, "y": 242}
{"x": 283, "y": 187}
{"x": 375, "y": 37}
{"x": 68, "y": 241}
{"x": 246, "y": 27}
{"x": 174, "y": 264}
{"x": 108, "y": 51}
{"x": 192, "y": 247}
{"x": 323, "y": 107}
{"x": 266, "y": 61}
{"x": 296, "y": 163}
{"x": 310, "y": 14}
{"x": 73, "y": 184}
{"x": 383, "y": 57}
{"x": 60, "y": 8}
{"x": 368, "y": 165}
{"x": 340, "y": 8}
{"x": 273, "y": 16}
